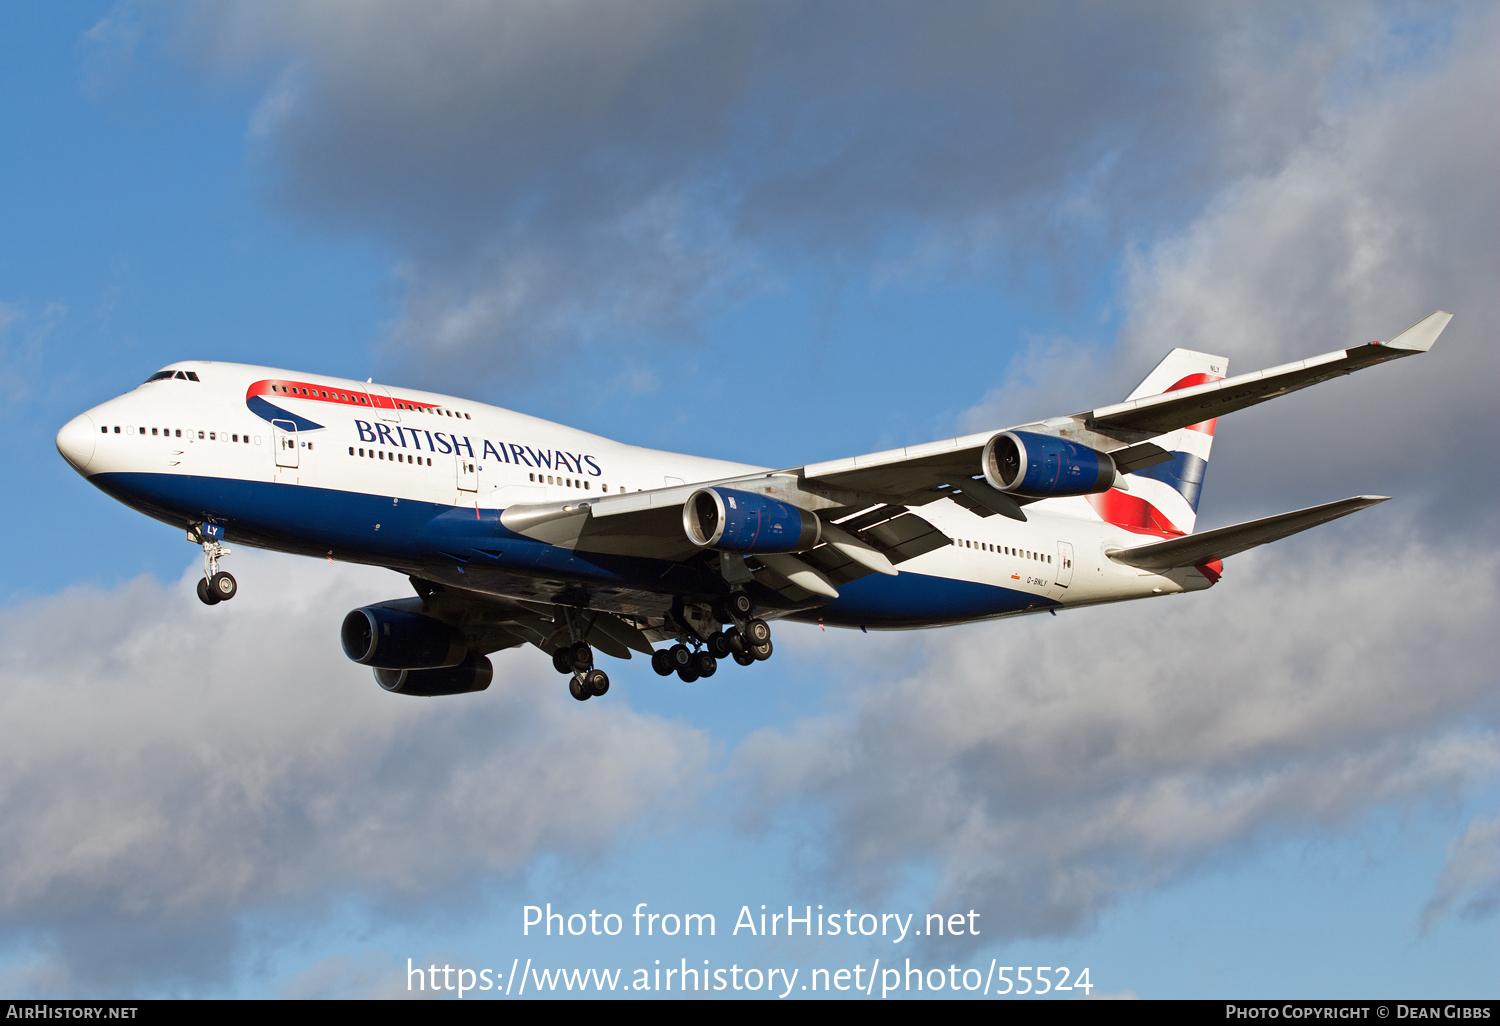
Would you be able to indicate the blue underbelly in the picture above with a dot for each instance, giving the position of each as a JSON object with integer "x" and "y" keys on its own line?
{"x": 444, "y": 540}
{"x": 919, "y": 600}
{"x": 363, "y": 528}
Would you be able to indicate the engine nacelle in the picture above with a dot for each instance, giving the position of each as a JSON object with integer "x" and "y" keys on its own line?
{"x": 399, "y": 640}
{"x": 735, "y": 521}
{"x": 473, "y": 674}
{"x": 1040, "y": 466}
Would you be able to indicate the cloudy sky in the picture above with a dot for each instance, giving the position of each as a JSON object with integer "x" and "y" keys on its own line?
{"x": 774, "y": 233}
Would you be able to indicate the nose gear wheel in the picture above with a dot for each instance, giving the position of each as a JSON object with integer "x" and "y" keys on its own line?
{"x": 216, "y": 585}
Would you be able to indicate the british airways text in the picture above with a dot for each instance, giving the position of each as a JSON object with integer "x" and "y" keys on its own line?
{"x": 396, "y": 435}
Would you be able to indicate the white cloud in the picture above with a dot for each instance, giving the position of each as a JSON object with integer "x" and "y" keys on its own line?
{"x": 1470, "y": 879}
{"x": 171, "y": 766}
{"x": 1048, "y": 766}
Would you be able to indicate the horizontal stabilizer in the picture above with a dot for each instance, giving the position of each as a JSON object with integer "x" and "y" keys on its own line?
{"x": 1197, "y": 549}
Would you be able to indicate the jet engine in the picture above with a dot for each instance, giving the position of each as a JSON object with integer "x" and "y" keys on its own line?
{"x": 1040, "y": 466}
{"x": 400, "y": 640}
{"x": 473, "y": 674}
{"x": 735, "y": 521}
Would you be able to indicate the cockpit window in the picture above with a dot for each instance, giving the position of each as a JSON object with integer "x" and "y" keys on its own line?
{"x": 179, "y": 375}
{"x": 159, "y": 375}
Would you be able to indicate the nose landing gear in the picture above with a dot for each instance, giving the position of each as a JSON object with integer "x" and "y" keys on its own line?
{"x": 215, "y": 585}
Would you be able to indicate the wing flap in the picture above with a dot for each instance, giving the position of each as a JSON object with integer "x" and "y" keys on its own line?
{"x": 1197, "y": 549}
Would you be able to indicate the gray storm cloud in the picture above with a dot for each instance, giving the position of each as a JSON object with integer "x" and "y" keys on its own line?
{"x": 560, "y": 174}
{"x": 1384, "y": 214}
{"x": 179, "y": 768}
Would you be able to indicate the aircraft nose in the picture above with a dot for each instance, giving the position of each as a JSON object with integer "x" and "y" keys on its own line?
{"x": 76, "y": 442}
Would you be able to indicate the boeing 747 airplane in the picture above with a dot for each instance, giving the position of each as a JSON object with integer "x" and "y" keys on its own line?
{"x": 515, "y": 530}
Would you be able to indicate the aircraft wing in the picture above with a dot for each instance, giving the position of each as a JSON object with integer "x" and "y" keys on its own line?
{"x": 492, "y": 624}
{"x": 869, "y": 497}
{"x": 1158, "y": 414}
{"x": 1197, "y": 549}
{"x": 923, "y": 473}
{"x": 859, "y": 538}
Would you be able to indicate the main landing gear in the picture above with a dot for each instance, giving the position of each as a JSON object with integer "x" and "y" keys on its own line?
{"x": 577, "y": 659}
{"x": 748, "y": 640}
{"x": 215, "y": 585}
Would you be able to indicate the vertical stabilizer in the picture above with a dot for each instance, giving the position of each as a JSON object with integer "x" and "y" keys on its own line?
{"x": 1163, "y": 500}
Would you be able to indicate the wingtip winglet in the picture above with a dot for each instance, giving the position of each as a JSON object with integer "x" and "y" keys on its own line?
{"x": 1423, "y": 334}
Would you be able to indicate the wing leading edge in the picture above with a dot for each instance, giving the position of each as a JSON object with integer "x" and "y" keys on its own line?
{"x": 1158, "y": 414}
{"x": 923, "y": 473}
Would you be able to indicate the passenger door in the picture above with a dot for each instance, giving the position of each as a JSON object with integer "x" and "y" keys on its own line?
{"x": 385, "y": 406}
{"x": 1064, "y": 564}
{"x": 468, "y": 474}
{"x": 285, "y": 434}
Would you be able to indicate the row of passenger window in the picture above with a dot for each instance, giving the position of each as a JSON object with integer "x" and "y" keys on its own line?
{"x": 1002, "y": 550}
{"x": 324, "y": 393}
{"x": 356, "y": 397}
{"x": 394, "y": 457}
{"x": 566, "y": 482}
{"x": 572, "y": 482}
{"x": 205, "y": 436}
{"x": 432, "y": 409}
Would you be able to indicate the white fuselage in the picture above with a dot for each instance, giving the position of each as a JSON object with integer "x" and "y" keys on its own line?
{"x": 311, "y": 472}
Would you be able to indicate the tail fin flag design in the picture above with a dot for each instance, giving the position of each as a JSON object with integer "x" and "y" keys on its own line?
{"x": 1163, "y": 500}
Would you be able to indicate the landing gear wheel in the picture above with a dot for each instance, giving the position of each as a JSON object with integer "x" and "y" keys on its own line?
{"x": 208, "y": 598}
{"x": 688, "y": 675}
{"x": 661, "y": 662}
{"x": 704, "y": 664}
{"x": 761, "y": 652}
{"x": 744, "y": 658}
{"x": 580, "y": 656}
{"x": 740, "y": 604}
{"x": 681, "y": 656}
{"x": 222, "y": 585}
{"x": 597, "y": 681}
{"x": 578, "y": 691}
{"x": 560, "y": 661}
{"x": 718, "y": 644}
{"x": 757, "y": 632}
